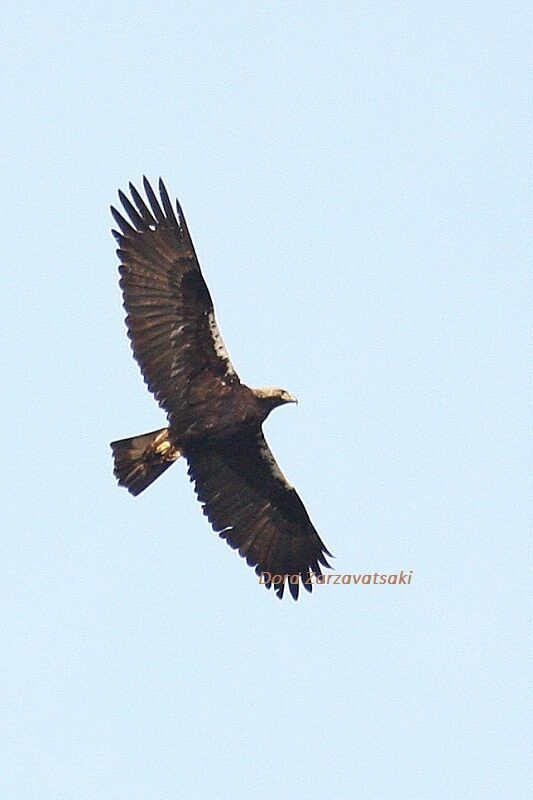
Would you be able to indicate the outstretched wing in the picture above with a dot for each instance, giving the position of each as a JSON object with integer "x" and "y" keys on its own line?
{"x": 171, "y": 321}
{"x": 250, "y": 503}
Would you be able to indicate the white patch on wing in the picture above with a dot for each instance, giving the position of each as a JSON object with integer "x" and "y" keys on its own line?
{"x": 175, "y": 332}
{"x": 220, "y": 348}
{"x": 266, "y": 453}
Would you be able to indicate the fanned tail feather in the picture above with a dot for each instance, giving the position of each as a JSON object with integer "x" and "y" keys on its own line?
{"x": 140, "y": 460}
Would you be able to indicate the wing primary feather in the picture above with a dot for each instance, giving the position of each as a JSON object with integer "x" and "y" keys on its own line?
{"x": 124, "y": 226}
{"x": 132, "y": 212}
{"x": 183, "y": 223}
{"x": 143, "y": 218}
{"x": 323, "y": 560}
{"x": 167, "y": 205}
{"x": 154, "y": 203}
{"x": 144, "y": 211}
{"x": 294, "y": 589}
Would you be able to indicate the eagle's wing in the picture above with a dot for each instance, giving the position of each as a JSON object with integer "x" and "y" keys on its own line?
{"x": 171, "y": 322}
{"x": 250, "y": 503}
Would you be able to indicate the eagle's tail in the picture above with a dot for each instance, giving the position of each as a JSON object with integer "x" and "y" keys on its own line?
{"x": 140, "y": 460}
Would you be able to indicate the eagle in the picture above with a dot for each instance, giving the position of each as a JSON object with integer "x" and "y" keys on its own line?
{"x": 214, "y": 420}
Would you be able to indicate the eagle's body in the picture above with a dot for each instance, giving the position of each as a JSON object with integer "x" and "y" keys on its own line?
{"x": 214, "y": 419}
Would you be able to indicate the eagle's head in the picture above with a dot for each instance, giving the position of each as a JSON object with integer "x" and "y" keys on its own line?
{"x": 271, "y": 396}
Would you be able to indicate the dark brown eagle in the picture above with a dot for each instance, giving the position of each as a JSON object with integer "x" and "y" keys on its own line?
{"x": 214, "y": 420}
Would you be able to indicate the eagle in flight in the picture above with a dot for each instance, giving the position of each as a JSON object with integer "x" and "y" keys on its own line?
{"x": 214, "y": 420}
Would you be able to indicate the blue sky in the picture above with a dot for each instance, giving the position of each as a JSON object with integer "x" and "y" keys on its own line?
{"x": 356, "y": 177}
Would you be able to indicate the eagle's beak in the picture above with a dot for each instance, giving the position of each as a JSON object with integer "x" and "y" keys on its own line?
{"x": 291, "y": 399}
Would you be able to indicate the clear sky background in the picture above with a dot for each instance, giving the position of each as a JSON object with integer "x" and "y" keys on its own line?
{"x": 356, "y": 177}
